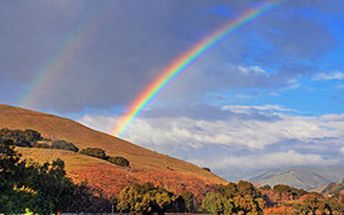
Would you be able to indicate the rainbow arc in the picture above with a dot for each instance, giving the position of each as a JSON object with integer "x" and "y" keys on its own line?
{"x": 181, "y": 63}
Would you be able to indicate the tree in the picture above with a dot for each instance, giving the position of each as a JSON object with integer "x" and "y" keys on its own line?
{"x": 94, "y": 152}
{"x": 121, "y": 161}
{"x": 32, "y": 135}
{"x": 44, "y": 189}
{"x": 11, "y": 179}
{"x": 144, "y": 199}
{"x": 246, "y": 188}
{"x": 20, "y": 138}
{"x": 241, "y": 198}
{"x": 189, "y": 201}
{"x": 54, "y": 191}
{"x": 62, "y": 144}
{"x": 214, "y": 203}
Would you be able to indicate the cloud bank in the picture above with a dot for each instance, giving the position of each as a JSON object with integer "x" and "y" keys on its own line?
{"x": 251, "y": 137}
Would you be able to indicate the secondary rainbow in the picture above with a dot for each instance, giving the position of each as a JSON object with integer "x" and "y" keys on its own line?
{"x": 55, "y": 67}
{"x": 177, "y": 66}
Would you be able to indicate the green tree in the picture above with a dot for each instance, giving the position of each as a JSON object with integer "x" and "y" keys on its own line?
{"x": 12, "y": 192}
{"x": 62, "y": 144}
{"x": 214, "y": 203}
{"x": 121, "y": 161}
{"x": 54, "y": 191}
{"x": 94, "y": 152}
{"x": 144, "y": 199}
{"x": 189, "y": 201}
{"x": 44, "y": 189}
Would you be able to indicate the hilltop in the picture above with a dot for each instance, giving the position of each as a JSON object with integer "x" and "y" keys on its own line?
{"x": 145, "y": 165}
{"x": 308, "y": 178}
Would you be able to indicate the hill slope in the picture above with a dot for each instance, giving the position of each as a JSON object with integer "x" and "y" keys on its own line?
{"x": 308, "y": 178}
{"x": 146, "y": 166}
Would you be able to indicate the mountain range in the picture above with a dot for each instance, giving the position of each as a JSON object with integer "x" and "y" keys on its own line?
{"x": 307, "y": 178}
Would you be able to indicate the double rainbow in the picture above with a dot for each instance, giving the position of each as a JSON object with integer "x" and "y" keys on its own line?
{"x": 179, "y": 65}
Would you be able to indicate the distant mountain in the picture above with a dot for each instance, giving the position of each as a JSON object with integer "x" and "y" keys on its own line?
{"x": 308, "y": 178}
{"x": 145, "y": 165}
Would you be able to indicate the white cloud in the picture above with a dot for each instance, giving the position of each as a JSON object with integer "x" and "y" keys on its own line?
{"x": 247, "y": 133}
{"x": 337, "y": 75}
{"x": 242, "y": 109}
{"x": 292, "y": 84}
{"x": 99, "y": 122}
{"x": 269, "y": 160}
{"x": 254, "y": 135}
{"x": 255, "y": 70}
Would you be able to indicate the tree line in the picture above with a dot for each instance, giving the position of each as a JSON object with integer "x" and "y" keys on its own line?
{"x": 33, "y": 139}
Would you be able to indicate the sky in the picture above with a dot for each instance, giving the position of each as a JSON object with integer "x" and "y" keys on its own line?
{"x": 270, "y": 94}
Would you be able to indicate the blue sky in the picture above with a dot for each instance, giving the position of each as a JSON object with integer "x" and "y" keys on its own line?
{"x": 271, "y": 91}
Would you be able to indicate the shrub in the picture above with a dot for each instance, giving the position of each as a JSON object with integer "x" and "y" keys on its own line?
{"x": 20, "y": 138}
{"x": 16, "y": 136}
{"x": 41, "y": 145}
{"x": 282, "y": 188}
{"x": 206, "y": 169}
{"x": 266, "y": 187}
{"x": 292, "y": 192}
{"x": 189, "y": 200}
{"x": 145, "y": 199}
{"x": 94, "y": 152}
{"x": 32, "y": 135}
{"x": 61, "y": 144}
{"x": 121, "y": 161}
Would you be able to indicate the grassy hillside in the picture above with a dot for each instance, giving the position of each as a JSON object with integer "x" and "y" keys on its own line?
{"x": 146, "y": 165}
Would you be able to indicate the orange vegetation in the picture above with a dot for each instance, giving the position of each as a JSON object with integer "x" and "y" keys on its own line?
{"x": 146, "y": 165}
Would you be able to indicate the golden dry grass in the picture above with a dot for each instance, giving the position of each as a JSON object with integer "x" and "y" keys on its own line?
{"x": 146, "y": 165}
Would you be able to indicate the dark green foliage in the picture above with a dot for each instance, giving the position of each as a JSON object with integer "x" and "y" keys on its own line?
{"x": 54, "y": 191}
{"x": 241, "y": 198}
{"x": 90, "y": 200}
{"x": 61, "y": 144}
{"x": 121, "y": 161}
{"x": 291, "y": 191}
{"x": 266, "y": 187}
{"x": 31, "y": 138}
{"x": 20, "y": 138}
{"x": 44, "y": 189}
{"x": 190, "y": 202}
{"x": 246, "y": 188}
{"x": 32, "y": 135}
{"x": 11, "y": 175}
{"x": 94, "y": 152}
{"x": 41, "y": 145}
{"x": 145, "y": 199}
{"x": 207, "y": 169}
{"x": 16, "y": 136}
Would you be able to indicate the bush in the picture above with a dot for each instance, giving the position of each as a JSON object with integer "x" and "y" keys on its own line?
{"x": 17, "y": 136}
{"x": 94, "y": 152}
{"x": 32, "y": 135}
{"x": 41, "y": 145}
{"x": 266, "y": 187}
{"x": 206, "y": 169}
{"x": 121, "y": 161}
{"x": 20, "y": 138}
{"x": 61, "y": 144}
{"x": 145, "y": 199}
